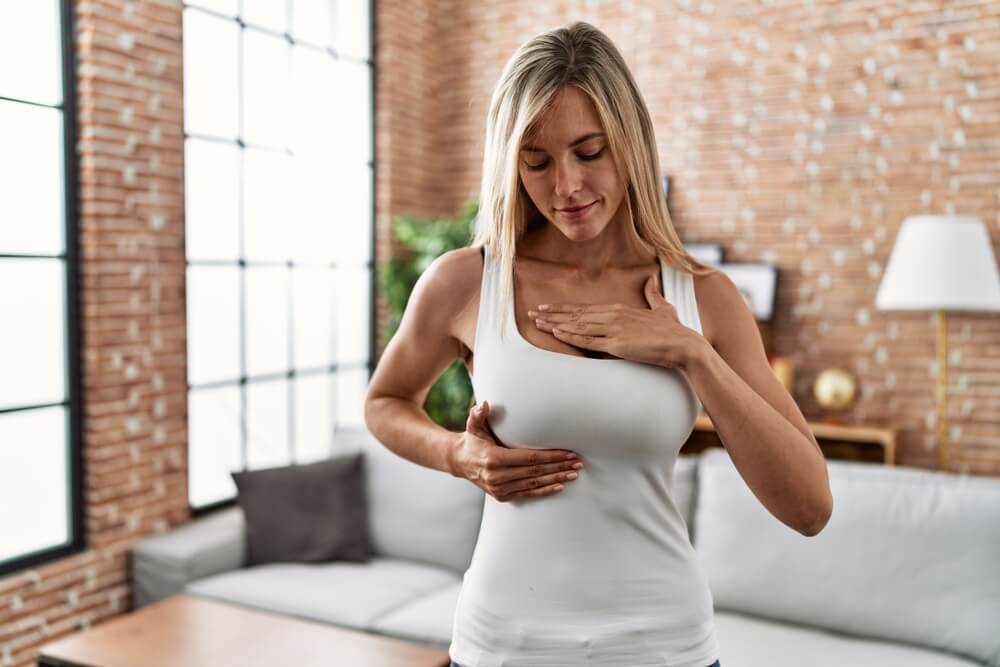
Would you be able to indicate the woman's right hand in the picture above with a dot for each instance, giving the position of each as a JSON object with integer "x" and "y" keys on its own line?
{"x": 509, "y": 473}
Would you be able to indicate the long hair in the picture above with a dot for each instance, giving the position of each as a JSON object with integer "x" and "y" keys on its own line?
{"x": 577, "y": 55}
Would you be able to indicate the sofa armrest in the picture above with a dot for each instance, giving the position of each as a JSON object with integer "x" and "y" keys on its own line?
{"x": 162, "y": 564}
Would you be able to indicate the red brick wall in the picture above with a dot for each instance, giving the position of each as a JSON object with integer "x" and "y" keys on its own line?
{"x": 130, "y": 154}
{"x": 407, "y": 101}
{"x": 794, "y": 135}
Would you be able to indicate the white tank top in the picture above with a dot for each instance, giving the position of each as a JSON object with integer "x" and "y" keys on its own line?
{"x": 601, "y": 573}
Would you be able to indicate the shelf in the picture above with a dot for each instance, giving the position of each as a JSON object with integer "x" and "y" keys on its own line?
{"x": 838, "y": 441}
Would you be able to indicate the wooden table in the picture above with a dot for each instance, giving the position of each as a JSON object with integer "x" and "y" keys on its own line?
{"x": 844, "y": 442}
{"x": 197, "y": 632}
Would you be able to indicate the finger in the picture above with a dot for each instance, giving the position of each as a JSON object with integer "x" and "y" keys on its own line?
{"x": 599, "y": 317}
{"x": 653, "y": 293}
{"x": 586, "y": 341}
{"x": 532, "y": 487}
{"x": 549, "y": 490}
{"x": 561, "y": 470}
{"x": 476, "y": 423}
{"x": 582, "y": 328}
{"x": 579, "y": 309}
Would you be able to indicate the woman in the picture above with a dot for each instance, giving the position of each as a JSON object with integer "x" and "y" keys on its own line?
{"x": 586, "y": 560}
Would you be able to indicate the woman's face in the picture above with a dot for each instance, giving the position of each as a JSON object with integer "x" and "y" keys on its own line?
{"x": 567, "y": 164}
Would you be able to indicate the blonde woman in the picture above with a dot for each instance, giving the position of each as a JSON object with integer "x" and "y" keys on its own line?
{"x": 593, "y": 339}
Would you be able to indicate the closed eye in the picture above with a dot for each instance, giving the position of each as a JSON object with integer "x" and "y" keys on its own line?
{"x": 585, "y": 158}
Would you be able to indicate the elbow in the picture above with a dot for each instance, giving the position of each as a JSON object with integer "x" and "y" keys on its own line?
{"x": 820, "y": 518}
{"x": 371, "y": 409}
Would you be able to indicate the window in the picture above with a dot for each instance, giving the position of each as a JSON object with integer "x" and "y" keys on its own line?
{"x": 40, "y": 483}
{"x": 279, "y": 221}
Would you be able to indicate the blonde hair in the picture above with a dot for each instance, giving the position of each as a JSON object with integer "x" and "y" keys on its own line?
{"x": 577, "y": 55}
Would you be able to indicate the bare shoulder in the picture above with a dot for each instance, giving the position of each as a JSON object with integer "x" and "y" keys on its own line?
{"x": 717, "y": 296}
{"x": 427, "y": 340}
{"x": 454, "y": 278}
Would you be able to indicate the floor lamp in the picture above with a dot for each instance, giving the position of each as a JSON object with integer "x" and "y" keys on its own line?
{"x": 941, "y": 263}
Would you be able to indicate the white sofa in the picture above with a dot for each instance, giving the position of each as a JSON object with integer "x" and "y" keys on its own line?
{"x": 906, "y": 573}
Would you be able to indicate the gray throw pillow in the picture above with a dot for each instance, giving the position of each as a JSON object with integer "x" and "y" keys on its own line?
{"x": 304, "y": 513}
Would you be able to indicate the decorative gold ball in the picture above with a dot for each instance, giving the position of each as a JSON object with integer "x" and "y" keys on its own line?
{"x": 834, "y": 388}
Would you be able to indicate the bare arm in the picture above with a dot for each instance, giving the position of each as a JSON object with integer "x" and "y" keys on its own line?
{"x": 421, "y": 350}
{"x": 759, "y": 423}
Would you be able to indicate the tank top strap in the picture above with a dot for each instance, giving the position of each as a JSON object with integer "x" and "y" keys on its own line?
{"x": 486, "y": 321}
{"x": 679, "y": 290}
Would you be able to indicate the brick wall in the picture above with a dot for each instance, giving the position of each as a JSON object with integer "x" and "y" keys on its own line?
{"x": 800, "y": 134}
{"x": 130, "y": 152}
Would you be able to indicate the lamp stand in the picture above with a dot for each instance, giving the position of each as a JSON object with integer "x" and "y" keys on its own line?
{"x": 942, "y": 388}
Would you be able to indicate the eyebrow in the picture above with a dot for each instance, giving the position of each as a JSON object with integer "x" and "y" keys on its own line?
{"x": 579, "y": 140}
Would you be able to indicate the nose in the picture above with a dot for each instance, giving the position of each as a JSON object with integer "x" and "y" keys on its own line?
{"x": 568, "y": 179}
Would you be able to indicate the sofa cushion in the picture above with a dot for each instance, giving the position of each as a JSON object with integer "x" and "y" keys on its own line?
{"x": 428, "y": 619}
{"x": 304, "y": 513}
{"x": 161, "y": 564}
{"x": 348, "y": 594}
{"x": 908, "y": 555}
{"x": 755, "y": 642}
{"x": 415, "y": 512}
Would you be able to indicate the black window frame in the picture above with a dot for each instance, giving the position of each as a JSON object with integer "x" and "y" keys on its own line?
{"x": 243, "y": 264}
{"x": 73, "y": 334}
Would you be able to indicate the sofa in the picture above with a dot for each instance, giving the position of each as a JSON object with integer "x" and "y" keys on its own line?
{"x": 906, "y": 572}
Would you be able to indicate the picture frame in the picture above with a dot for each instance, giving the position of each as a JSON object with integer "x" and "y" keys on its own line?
{"x": 757, "y": 283}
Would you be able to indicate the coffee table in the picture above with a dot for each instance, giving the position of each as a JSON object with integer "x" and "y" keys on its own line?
{"x": 191, "y": 631}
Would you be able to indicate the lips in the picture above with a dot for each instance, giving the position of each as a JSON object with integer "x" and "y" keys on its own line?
{"x": 574, "y": 209}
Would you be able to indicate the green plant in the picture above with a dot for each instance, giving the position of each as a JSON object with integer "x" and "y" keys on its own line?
{"x": 449, "y": 399}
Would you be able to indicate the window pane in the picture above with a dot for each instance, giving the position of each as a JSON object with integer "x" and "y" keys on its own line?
{"x": 312, "y": 21}
{"x": 213, "y": 443}
{"x": 312, "y": 305}
{"x": 267, "y": 320}
{"x": 32, "y": 336}
{"x": 354, "y": 112}
{"x": 266, "y": 204}
{"x": 312, "y": 203}
{"x": 352, "y": 217}
{"x": 211, "y": 200}
{"x": 314, "y": 97}
{"x": 352, "y": 384}
{"x": 30, "y": 37}
{"x": 313, "y": 417}
{"x": 31, "y": 178}
{"x": 267, "y": 424}
{"x": 211, "y": 46}
{"x": 351, "y": 28}
{"x": 352, "y": 298}
{"x": 266, "y": 63}
{"x": 34, "y": 492}
{"x": 270, "y": 14}
{"x": 213, "y": 321}
{"x": 227, "y": 7}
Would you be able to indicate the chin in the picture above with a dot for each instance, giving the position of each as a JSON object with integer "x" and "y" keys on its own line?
{"x": 584, "y": 231}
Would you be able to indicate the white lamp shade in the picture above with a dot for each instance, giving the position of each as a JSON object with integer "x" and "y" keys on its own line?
{"x": 941, "y": 262}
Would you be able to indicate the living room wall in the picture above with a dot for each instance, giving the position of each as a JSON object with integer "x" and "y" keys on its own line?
{"x": 796, "y": 134}
{"x": 130, "y": 151}
{"x": 800, "y": 134}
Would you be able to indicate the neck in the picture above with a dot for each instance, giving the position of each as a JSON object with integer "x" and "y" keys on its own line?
{"x": 616, "y": 247}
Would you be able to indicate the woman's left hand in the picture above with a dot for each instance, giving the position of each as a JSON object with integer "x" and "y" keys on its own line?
{"x": 651, "y": 336}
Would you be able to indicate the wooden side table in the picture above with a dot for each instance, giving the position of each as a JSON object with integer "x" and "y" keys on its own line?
{"x": 851, "y": 443}
{"x": 197, "y": 632}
